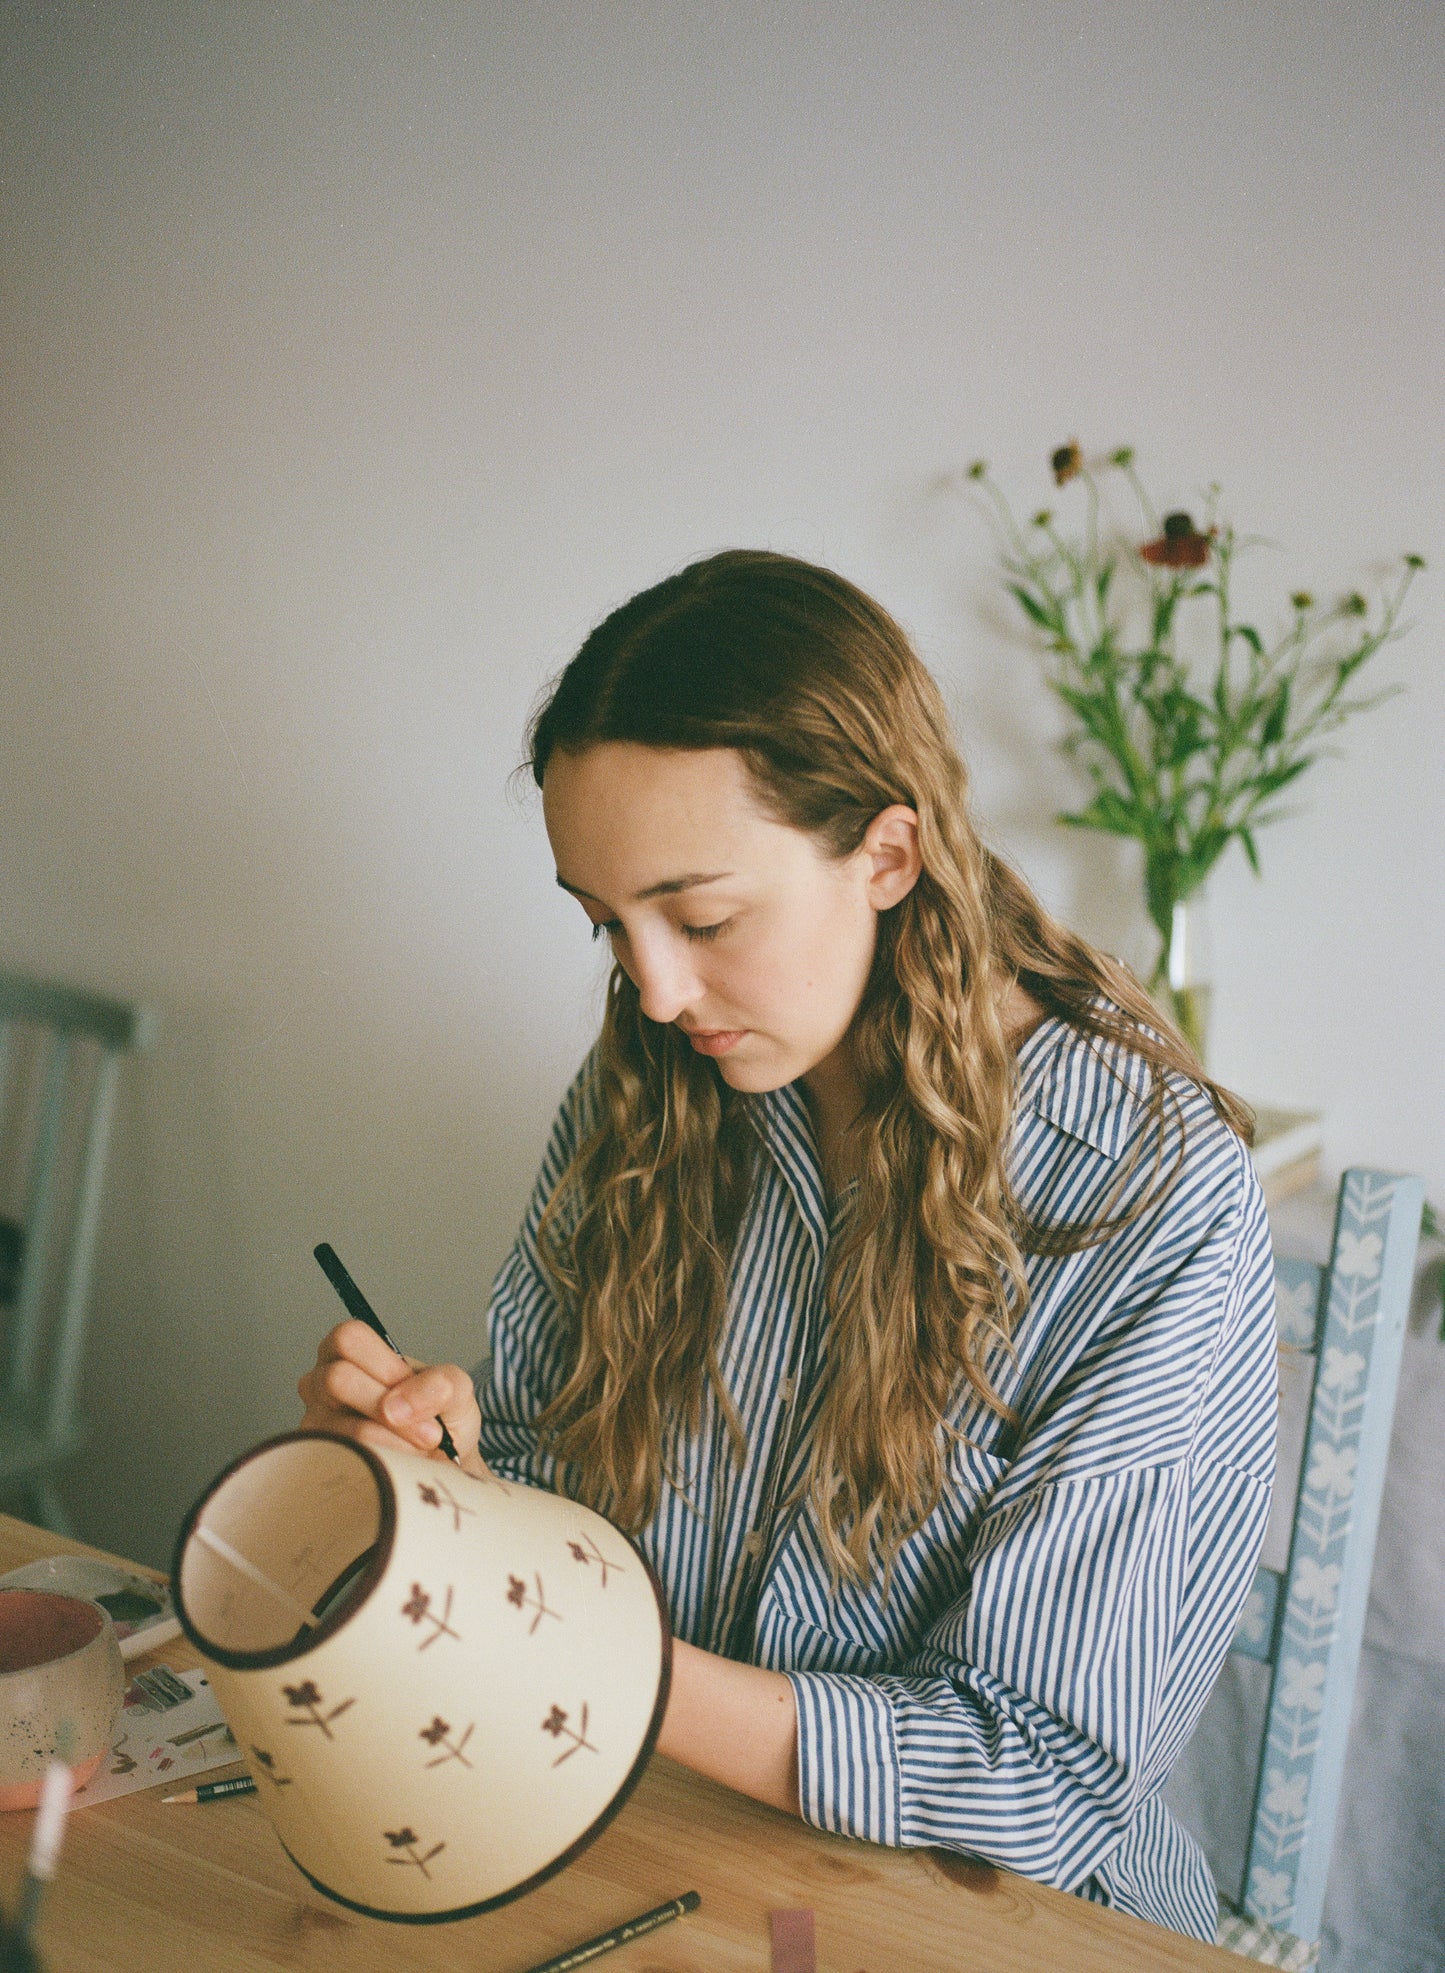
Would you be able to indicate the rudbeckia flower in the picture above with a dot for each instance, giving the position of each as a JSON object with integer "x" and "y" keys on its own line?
{"x": 1180, "y": 546}
{"x": 1067, "y": 462}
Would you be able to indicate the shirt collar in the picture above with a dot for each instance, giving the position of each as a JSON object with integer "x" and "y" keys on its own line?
{"x": 1083, "y": 1084}
{"x": 1088, "y": 1087}
{"x": 784, "y": 1123}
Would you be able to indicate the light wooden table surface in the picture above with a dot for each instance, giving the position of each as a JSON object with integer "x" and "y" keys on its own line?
{"x": 148, "y": 1889}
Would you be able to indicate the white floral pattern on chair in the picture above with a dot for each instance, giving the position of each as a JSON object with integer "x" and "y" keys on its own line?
{"x": 1323, "y": 1600}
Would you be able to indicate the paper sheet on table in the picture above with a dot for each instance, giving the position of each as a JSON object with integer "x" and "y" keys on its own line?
{"x": 174, "y": 1744}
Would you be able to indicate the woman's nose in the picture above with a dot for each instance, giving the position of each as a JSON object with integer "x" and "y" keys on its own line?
{"x": 666, "y": 981}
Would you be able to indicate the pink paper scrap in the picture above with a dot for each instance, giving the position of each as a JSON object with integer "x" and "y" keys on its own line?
{"x": 793, "y": 1945}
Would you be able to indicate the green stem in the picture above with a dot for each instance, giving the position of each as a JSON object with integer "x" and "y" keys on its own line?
{"x": 1005, "y": 514}
{"x": 1146, "y": 505}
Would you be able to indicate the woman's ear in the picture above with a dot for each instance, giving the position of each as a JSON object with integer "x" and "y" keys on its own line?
{"x": 893, "y": 859}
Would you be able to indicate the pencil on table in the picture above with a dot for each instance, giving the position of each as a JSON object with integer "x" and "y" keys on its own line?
{"x": 620, "y": 1935}
{"x": 214, "y": 1791}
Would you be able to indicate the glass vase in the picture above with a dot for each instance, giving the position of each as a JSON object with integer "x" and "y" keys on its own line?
{"x": 1188, "y": 971}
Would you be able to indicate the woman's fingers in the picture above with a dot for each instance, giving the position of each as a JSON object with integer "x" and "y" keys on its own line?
{"x": 353, "y": 1342}
{"x": 363, "y": 1389}
{"x": 436, "y": 1395}
{"x": 345, "y": 1387}
{"x": 351, "y": 1425}
{"x": 352, "y": 1372}
{"x": 433, "y": 1390}
{"x": 377, "y": 1435}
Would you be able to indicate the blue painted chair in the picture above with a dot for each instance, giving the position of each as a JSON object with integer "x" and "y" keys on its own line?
{"x": 59, "y": 1061}
{"x": 1308, "y": 1623}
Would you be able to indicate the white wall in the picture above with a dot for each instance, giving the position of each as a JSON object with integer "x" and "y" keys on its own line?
{"x": 357, "y": 358}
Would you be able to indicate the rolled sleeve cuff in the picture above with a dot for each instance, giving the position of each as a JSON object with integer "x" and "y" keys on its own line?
{"x": 848, "y": 1773}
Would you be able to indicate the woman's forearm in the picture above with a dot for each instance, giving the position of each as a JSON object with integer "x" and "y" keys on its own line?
{"x": 734, "y": 1723}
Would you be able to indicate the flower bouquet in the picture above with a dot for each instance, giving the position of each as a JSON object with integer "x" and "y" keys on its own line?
{"x": 1188, "y": 722}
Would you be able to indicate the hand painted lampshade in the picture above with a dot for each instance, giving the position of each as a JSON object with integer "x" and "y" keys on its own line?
{"x": 445, "y": 1687}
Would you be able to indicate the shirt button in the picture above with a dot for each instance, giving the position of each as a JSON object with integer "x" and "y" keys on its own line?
{"x": 753, "y": 1542}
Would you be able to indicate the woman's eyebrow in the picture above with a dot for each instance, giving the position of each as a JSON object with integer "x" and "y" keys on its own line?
{"x": 669, "y": 886}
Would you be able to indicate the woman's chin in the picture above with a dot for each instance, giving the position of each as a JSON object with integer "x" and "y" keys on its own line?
{"x": 752, "y": 1078}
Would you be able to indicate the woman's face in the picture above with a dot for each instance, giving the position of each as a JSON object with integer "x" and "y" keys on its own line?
{"x": 738, "y": 929}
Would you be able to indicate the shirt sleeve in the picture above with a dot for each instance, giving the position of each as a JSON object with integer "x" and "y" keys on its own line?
{"x": 1043, "y": 1706}
{"x": 529, "y": 1331}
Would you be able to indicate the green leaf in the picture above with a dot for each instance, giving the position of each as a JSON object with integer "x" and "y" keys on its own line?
{"x": 1275, "y": 778}
{"x": 1032, "y": 608}
{"x": 1095, "y": 714}
{"x": 1272, "y": 732}
{"x": 1246, "y": 837}
{"x": 1111, "y": 812}
{"x": 1250, "y": 636}
{"x": 1202, "y": 855}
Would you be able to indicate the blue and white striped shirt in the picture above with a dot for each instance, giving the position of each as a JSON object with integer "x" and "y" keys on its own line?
{"x": 1052, "y": 1631}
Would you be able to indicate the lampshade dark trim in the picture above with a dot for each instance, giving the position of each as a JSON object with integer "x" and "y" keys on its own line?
{"x": 307, "y": 1639}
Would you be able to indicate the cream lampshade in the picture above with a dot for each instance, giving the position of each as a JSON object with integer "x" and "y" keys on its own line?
{"x": 445, "y": 1686}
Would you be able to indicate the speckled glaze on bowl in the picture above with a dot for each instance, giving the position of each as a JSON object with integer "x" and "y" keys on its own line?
{"x": 60, "y": 1665}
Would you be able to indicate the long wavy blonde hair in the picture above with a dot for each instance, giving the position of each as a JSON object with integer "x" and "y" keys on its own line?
{"x": 819, "y": 691}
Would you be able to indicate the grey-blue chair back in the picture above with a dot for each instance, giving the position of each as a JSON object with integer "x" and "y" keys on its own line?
{"x": 60, "y": 1054}
{"x": 1308, "y": 1623}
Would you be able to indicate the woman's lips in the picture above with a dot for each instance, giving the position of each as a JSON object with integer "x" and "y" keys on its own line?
{"x": 715, "y": 1041}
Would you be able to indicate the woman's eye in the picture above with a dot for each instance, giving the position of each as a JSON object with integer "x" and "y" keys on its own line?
{"x": 611, "y": 928}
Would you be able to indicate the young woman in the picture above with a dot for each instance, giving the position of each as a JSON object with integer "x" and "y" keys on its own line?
{"x": 894, "y": 1273}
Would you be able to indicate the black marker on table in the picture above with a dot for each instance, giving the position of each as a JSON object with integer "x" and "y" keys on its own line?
{"x": 360, "y": 1308}
{"x": 635, "y": 1928}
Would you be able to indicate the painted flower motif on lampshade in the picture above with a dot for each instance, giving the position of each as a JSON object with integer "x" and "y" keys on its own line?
{"x": 445, "y": 1686}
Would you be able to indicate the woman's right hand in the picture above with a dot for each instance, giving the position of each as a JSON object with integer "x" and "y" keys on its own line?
{"x": 363, "y": 1390}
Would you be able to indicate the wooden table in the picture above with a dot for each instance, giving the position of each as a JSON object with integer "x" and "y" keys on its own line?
{"x": 148, "y": 1889}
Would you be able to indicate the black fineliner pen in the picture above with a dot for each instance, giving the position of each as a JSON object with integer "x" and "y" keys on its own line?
{"x": 360, "y": 1308}
{"x": 635, "y": 1928}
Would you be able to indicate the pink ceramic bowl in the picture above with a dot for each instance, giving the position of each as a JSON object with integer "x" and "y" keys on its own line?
{"x": 60, "y": 1666}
